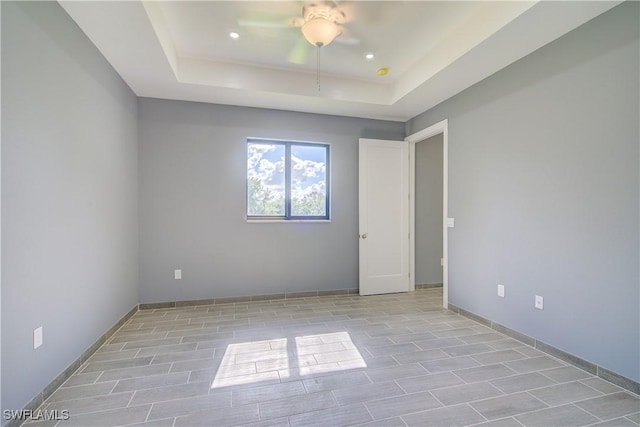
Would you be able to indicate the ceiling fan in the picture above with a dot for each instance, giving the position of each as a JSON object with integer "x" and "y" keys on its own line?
{"x": 321, "y": 23}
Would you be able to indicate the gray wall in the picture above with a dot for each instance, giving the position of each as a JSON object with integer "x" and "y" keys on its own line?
{"x": 428, "y": 215}
{"x": 69, "y": 196}
{"x": 544, "y": 187}
{"x": 192, "y": 204}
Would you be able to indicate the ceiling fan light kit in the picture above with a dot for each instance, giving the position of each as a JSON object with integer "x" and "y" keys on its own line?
{"x": 321, "y": 23}
{"x": 320, "y": 32}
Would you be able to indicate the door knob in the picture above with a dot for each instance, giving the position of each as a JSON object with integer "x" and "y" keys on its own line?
{"x": 364, "y": 236}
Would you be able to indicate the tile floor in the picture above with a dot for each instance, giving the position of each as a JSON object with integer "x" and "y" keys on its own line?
{"x": 393, "y": 360}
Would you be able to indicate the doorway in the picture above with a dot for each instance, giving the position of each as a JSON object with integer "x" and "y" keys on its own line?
{"x": 428, "y": 213}
{"x": 439, "y": 132}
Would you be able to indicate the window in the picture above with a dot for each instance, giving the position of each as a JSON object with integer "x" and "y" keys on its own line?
{"x": 287, "y": 180}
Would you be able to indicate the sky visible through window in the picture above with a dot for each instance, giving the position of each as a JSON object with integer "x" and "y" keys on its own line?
{"x": 266, "y": 164}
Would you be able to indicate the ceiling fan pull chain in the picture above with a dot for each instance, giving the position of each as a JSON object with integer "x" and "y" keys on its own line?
{"x": 318, "y": 68}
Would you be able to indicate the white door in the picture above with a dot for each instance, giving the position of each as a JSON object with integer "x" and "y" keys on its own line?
{"x": 384, "y": 216}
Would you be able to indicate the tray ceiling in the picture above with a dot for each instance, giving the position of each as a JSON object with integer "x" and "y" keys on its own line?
{"x": 433, "y": 50}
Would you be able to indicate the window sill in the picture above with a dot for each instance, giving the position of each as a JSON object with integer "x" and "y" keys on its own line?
{"x": 284, "y": 221}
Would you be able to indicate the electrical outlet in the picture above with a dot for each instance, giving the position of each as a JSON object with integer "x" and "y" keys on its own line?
{"x": 500, "y": 290}
{"x": 539, "y": 303}
{"x": 37, "y": 337}
{"x": 177, "y": 274}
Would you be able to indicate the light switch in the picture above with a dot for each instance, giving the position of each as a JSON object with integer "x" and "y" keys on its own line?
{"x": 177, "y": 274}
{"x": 451, "y": 222}
{"x": 501, "y": 291}
{"x": 37, "y": 337}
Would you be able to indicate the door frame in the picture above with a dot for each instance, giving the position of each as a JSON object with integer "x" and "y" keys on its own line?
{"x": 441, "y": 127}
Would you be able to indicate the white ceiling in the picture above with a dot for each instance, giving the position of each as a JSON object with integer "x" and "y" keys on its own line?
{"x": 433, "y": 49}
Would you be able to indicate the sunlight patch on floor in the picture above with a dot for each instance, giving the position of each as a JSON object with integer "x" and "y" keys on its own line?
{"x": 271, "y": 360}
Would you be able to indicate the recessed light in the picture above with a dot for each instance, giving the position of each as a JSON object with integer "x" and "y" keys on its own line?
{"x": 234, "y": 35}
{"x": 369, "y": 56}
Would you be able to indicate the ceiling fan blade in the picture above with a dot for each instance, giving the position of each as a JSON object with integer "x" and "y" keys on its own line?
{"x": 267, "y": 23}
{"x": 346, "y": 38}
{"x": 299, "y": 52}
{"x": 349, "y": 41}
